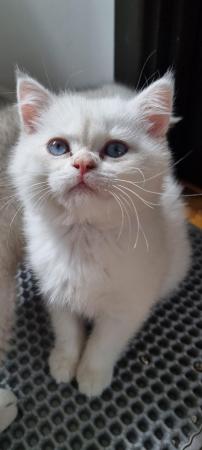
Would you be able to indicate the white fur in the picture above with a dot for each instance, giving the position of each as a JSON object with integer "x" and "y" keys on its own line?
{"x": 90, "y": 255}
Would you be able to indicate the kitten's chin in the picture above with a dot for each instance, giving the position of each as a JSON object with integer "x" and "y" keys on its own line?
{"x": 82, "y": 188}
{"x": 84, "y": 191}
{"x": 81, "y": 196}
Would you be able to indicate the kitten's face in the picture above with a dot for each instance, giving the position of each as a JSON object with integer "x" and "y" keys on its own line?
{"x": 82, "y": 152}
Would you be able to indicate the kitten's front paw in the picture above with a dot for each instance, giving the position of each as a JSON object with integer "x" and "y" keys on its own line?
{"x": 93, "y": 381}
{"x": 62, "y": 365}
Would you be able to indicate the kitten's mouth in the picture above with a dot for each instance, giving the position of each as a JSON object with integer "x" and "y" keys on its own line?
{"x": 82, "y": 187}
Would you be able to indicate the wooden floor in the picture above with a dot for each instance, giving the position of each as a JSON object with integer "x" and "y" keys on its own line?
{"x": 194, "y": 205}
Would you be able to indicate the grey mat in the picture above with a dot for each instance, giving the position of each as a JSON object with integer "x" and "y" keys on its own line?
{"x": 154, "y": 402}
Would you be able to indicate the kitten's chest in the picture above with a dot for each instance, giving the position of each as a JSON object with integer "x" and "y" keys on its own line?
{"x": 77, "y": 268}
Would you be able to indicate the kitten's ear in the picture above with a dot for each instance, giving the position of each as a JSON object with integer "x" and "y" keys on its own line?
{"x": 32, "y": 99}
{"x": 155, "y": 104}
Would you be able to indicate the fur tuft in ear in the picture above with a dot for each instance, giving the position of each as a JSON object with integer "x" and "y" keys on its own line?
{"x": 32, "y": 99}
{"x": 156, "y": 104}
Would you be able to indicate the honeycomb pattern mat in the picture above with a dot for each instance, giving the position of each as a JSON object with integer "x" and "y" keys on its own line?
{"x": 154, "y": 402}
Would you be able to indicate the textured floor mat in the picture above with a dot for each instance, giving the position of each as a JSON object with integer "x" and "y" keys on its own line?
{"x": 154, "y": 402}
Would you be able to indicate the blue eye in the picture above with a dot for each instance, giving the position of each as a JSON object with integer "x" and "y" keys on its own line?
{"x": 58, "y": 147}
{"x": 115, "y": 149}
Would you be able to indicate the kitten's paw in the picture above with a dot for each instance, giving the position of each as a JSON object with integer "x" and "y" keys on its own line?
{"x": 92, "y": 382}
{"x": 62, "y": 365}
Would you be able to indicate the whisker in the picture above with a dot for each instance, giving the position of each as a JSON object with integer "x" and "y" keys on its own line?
{"x": 14, "y": 217}
{"x": 145, "y": 238}
{"x": 139, "y": 226}
{"x": 41, "y": 183}
{"x": 136, "y": 169}
{"x": 122, "y": 213}
{"x": 136, "y": 214}
{"x": 21, "y": 207}
{"x": 122, "y": 200}
{"x": 7, "y": 204}
{"x": 144, "y": 65}
{"x": 170, "y": 195}
{"x": 41, "y": 200}
{"x": 136, "y": 185}
{"x": 7, "y": 197}
{"x": 192, "y": 195}
{"x": 46, "y": 73}
{"x": 172, "y": 165}
{"x": 147, "y": 203}
{"x": 38, "y": 192}
{"x": 125, "y": 200}
{"x": 150, "y": 78}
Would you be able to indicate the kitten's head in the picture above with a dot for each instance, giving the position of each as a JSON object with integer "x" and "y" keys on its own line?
{"x": 79, "y": 153}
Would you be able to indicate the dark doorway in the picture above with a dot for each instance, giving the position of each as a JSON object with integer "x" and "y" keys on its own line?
{"x": 151, "y": 37}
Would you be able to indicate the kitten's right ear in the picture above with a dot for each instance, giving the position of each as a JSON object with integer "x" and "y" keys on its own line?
{"x": 32, "y": 99}
{"x": 155, "y": 105}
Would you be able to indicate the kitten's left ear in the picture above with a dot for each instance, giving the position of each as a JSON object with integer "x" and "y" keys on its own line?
{"x": 32, "y": 99}
{"x": 155, "y": 105}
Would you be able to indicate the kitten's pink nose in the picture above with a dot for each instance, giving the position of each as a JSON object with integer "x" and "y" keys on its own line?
{"x": 84, "y": 164}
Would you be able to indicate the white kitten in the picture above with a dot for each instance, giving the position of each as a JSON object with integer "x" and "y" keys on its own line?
{"x": 103, "y": 222}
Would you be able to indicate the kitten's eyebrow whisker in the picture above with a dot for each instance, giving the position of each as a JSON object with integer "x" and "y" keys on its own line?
{"x": 147, "y": 80}
{"x": 143, "y": 67}
{"x": 46, "y": 74}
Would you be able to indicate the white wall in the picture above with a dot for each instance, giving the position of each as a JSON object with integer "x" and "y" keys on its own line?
{"x": 61, "y": 42}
